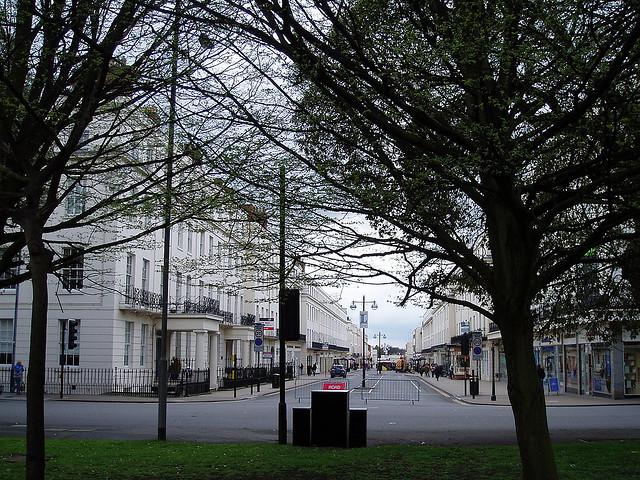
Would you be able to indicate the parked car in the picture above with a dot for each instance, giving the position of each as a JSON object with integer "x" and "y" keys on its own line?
{"x": 338, "y": 371}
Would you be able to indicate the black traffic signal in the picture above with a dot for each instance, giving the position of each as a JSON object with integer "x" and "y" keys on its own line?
{"x": 290, "y": 317}
{"x": 73, "y": 334}
{"x": 464, "y": 344}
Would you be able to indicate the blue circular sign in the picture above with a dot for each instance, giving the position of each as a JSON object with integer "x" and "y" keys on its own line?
{"x": 258, "y": 341}
{"x": 477, "y": 350}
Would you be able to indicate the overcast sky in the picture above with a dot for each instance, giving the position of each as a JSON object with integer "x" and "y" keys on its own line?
{"x": 394, "y": 322}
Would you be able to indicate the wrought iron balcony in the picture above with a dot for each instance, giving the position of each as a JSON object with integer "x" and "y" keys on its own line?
{"x": 493, "y": 327}
{"x": 136, "y": 297}
{"x": 248, "y": 319}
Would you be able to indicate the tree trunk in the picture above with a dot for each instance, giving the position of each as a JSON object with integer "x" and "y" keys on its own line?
{"x": 39, "y": 263}
{"x": 527, "y": 398}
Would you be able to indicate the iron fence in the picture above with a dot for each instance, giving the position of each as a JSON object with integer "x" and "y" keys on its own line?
{"x": 115, "y": 381}
{"x": 230, "y": 376}
{"x": 378, "y": 388}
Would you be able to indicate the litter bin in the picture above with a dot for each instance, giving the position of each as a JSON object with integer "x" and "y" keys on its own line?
{"x": 474, "y": 386}
{"x": 275, "y": 380}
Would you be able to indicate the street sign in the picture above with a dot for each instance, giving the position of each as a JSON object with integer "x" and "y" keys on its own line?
{"x": 268, "y": 325}
{"x": 335, "y": 386}
{"x": 364, "y": 319}
{"x": 325, "y": 346}
{"x": 258, "y": 335}
{"x": 476, "y": 345}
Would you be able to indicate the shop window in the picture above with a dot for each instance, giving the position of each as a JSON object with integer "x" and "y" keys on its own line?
{"x": 632, "y": 371}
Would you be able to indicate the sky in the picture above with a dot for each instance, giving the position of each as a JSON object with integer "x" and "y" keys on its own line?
{"x": 395, "y": 322}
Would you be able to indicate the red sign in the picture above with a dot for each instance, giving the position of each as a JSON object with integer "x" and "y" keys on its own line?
{"x": 334, "y": 386}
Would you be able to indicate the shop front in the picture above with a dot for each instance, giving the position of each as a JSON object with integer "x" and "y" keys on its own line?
{"x": 631, "y": 368}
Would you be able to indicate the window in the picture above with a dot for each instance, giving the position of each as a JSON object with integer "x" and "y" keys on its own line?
{"x": 188, "y": 288}
{"x": 201, "y": 246}
{"x": 128, "y": 334}
{"x": 146, "y": 266}
{"x": 75, "y": 201}
{"x": 212, "y": 246}
{"x": 178, "y": 345}
{"x": 189, "y": 241}
{"x": 73, "y": 273}
{"x": 144, "y": 331}
{"x": 6, "y": 341}
{"x": 178, "y": 287}
{"x": 200, "y": 289}
{"x": 128, "y": 276}
{"x": 180, "y": 237}
{"x": 69, "y": 356}
{"x": 187, "y": 353}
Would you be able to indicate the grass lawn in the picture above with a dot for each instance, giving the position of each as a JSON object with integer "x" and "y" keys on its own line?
{"x": 103, "y": 459}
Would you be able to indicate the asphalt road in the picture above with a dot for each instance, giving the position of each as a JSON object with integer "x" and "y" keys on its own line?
{"x": 432, "y": 420}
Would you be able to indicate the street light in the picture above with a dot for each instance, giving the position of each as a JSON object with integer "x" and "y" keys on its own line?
{"x": 379, "y": 336}
{"x": 363, "y": 324}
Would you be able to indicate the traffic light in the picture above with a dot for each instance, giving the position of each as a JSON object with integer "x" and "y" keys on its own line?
{"x": 290, "y": 321}
{"x": 73, "y": 334}
{"x": 464, "y": 344}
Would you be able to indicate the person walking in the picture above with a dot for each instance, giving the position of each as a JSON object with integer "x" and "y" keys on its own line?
{"x": 314, "y": 369}
{"x": 18, "y": 373}
{"x": 301, "y": 367}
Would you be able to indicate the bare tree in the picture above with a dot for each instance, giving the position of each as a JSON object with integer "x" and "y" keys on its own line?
{"x": 492, "y": 144}
{"x": 83, "y": 87}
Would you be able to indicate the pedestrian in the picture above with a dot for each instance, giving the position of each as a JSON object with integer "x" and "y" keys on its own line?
{"x": 314, "y": 369}
{"x": 451, "y": 372}
{"x": 437, "y": 372}
{"x": 18, "y": 373}
{"x": 301, "y": 367}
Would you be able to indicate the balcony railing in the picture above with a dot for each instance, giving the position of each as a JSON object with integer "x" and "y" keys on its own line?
{"x": 248, "y": 319}
{"x": 493, "y": 327}
{"x": 138, "y": 298}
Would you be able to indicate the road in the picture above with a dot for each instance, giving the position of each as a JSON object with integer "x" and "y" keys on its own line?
{"x": 433, "y": 420}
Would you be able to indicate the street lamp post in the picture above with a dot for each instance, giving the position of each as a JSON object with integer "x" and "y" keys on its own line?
{"x": 353, "y": 306}
{"x": 379, "y": 336}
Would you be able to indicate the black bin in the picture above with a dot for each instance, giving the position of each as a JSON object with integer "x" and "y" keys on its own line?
{"x": 474, "y": 386}
{"x": 357, "y": 427}
{"x": 302, "y": 426}
{"x": 275, "y": 380}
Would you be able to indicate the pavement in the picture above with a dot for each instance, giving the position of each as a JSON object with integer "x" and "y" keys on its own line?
{"x": 454, "y": 389}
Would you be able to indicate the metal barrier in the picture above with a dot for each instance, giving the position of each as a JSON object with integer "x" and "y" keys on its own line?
{"x": 302, "y": 391}
{"x": 378, "y": 388}
{"x": 116, "y": 381}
